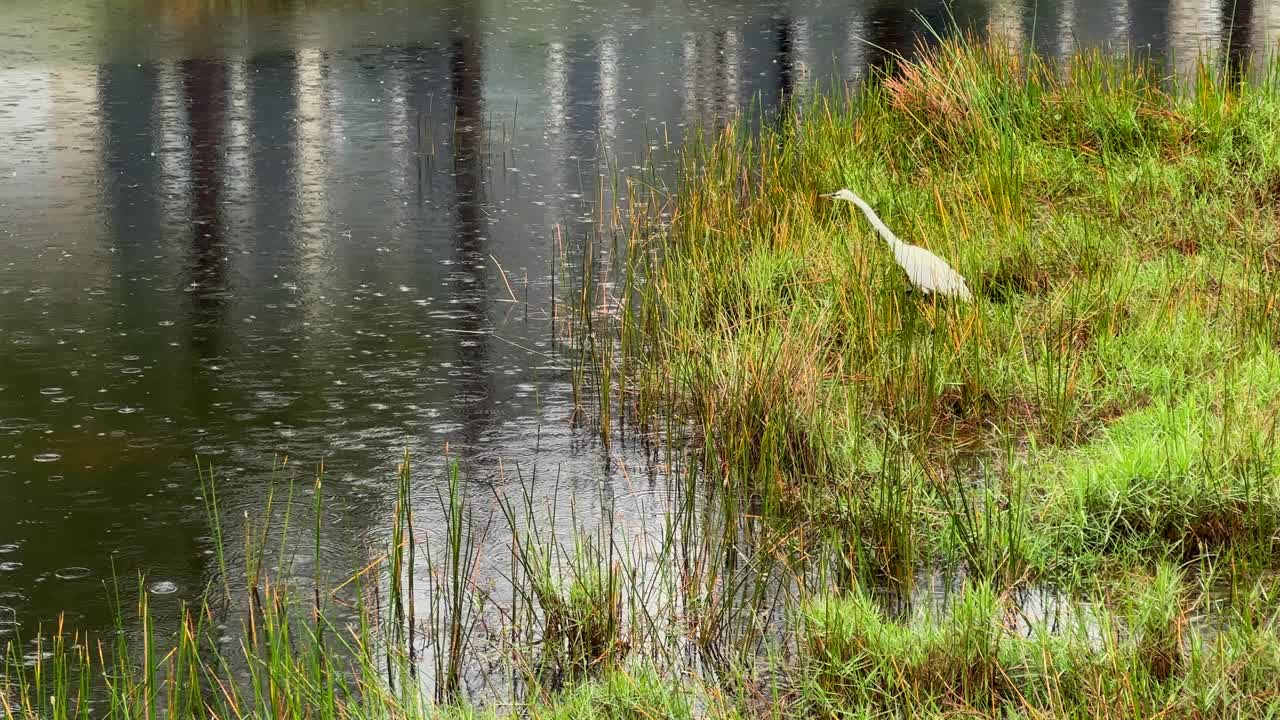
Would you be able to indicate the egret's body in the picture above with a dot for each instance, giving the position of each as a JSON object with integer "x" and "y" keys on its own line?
{"x": 928, "y": 272}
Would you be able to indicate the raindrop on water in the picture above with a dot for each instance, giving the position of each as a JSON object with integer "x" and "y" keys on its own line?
{"x": 164, "y": 587}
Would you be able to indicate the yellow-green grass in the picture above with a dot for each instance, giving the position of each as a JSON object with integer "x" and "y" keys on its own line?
{"x": 1139, "y": 660}
{"x": 1116, "y": 379}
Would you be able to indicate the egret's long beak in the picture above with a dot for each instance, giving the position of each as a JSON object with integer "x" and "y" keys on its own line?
{"x": 827, "y": 195}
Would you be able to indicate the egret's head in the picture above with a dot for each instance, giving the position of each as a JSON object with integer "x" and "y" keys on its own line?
{"x": 841, "y": 194}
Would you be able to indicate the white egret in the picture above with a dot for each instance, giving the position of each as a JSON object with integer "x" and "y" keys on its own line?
{"x": 928, "y": 272}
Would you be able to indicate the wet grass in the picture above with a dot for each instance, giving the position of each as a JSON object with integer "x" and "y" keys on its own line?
{"x": 1097, "y": 428}
{"x": 1136, "y": 661}
{"x": 707, "y": 615}
{"x": 1111, "y": 394}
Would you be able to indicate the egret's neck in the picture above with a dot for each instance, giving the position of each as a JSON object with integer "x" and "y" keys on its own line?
{"x": 876, "y": 222}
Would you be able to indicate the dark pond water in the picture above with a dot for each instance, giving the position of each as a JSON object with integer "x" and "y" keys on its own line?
{"x": 242, "y": 230}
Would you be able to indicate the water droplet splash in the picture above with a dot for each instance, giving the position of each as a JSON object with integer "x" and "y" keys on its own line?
{"x": 164, "y": 587}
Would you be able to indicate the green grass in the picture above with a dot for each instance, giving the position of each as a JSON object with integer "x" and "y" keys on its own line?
{"x": 1098, "y": 425}
{"x": 1119, "y": 366}
{"x": 1137, "y": 662}
{"x": 683, "y": 628}
{"x": 617, "y": 695}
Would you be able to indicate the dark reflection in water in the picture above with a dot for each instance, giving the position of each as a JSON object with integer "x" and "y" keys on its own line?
{"x": 787, "y": 65}
{"x": 472, "y": 268}
{"x": 273, "y": 230}
{"x": 205, "y": 85}
{"x": 1238, "y": 20}
{"x": 891, "y": 28}
{"x": 1149, "y": 35}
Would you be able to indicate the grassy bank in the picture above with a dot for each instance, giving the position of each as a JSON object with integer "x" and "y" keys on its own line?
{"x": 1110, "y": 395}
{"x": 1085, "y": 455}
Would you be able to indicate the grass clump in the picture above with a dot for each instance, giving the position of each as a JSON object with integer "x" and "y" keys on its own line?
{"x": 580, "y": 612}
{"x": 976, "y": 658}
{"x": 1183, "y": 480}
{"x": 860, "y": 658}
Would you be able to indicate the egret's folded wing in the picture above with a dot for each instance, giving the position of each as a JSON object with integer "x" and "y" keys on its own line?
{"x": 930, "y": 273}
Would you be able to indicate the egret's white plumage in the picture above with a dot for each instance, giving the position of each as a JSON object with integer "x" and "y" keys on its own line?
{"x": 928, "y": 272}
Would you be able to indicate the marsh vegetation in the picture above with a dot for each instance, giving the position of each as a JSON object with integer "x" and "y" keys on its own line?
{"x": 1098, "y": 427}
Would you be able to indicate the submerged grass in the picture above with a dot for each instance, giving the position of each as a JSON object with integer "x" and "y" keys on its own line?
{"x": 1100, "y": 420}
